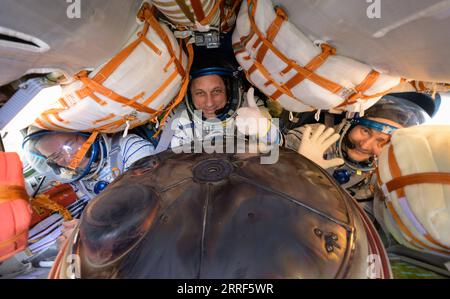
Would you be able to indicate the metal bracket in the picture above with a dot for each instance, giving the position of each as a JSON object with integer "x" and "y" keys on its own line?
{"x": 210, "y": 39}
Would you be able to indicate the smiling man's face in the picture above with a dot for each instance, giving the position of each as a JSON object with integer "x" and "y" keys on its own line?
{"x": 208, "y": 94}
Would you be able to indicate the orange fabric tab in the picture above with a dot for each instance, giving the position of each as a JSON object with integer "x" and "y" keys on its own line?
{"x": 108, "y": 117}
{"x": 171, "y": 60}
{"x": 9, "y": 193}
{"x": 286, "y": 70}
{"x": 82, "y": 151}
{"x": 152, "y": 46}
{"x": 63, "y": 103}
{"x": 98, "y": 100}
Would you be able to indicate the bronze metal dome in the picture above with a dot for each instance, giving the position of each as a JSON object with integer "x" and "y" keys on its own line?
{"x": 224, "y": 216}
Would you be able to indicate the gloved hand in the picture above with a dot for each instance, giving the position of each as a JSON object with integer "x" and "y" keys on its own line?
{"x": 314, "y": 146}
{"x": 252, "y": 120}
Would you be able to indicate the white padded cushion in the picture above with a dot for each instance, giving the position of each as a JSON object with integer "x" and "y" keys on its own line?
{"x": 418, "y": 149}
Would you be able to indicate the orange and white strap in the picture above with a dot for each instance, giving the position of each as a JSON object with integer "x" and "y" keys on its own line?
{"x": 306, "y": 72}
{"x": 94, "y": 85}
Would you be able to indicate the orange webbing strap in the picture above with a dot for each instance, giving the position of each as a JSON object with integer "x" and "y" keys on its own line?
{"x": 112, "y": 65}
{"x": 9, "y": 193}
{"x": 86, "y": 92}
{"x": 45, "y": 116}
{"x": 161, "y": 88}
{"x": 143, "y": 37}
{"x": 377, "y": 171}
{"x": 117, "y": 60}
{"x": 198, "y": 9}
{"x": 206, "y": 20}
{"x": 44, "y": 201}
{"x": 12, "y": 240}
{"x": 186, "y": 11}
{"x": 368, "y": 81}
{"x": 395, "y": 170}
{"x": 82, "y": 151}
{"x": 319, "y": 80}
{"x": 183, "y": 89}
{"x": 396, "y": 173}
{"x": 135, "y": 98}
{"x": 92, "y": 86}
{"x": 107, "y": 117}
{"x": 165, "y": 83}
{"x": 418, "y": 178}
{"x": 271, "y": 33}
{"x": 314, "y": 64}
{"x": 147, "y": 14}
{"x": 280, "y": 87}
{"x": 63, "y": 103}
